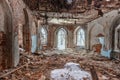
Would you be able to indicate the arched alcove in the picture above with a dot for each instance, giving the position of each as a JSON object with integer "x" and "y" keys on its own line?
{"x": 93, "y": 32}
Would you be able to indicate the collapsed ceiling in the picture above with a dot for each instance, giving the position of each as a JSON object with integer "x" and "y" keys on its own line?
{"x": 70, "y": 11}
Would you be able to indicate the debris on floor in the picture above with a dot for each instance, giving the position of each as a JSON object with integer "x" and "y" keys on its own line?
{"x": 39, "y": 67}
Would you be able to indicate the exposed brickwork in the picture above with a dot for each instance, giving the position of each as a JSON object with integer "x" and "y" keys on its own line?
{"x": 12, "y": 16}
{"x": 3, "y": 51}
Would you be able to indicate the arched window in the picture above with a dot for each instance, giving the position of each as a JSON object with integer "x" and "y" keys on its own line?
{"x": 43, "y": 36}
{"x": 81, "y": 38}
{"x": 61, "y": 38}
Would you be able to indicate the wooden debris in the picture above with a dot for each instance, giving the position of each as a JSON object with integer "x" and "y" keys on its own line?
{"x": 13, "y": 71}
{"x": 93, "y": 73}
{"x": 39, "y": 67}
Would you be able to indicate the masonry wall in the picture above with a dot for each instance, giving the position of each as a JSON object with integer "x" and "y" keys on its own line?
{"x": 14, "y": 14}
{"x": 101, "y": 25}
{"x": 52, "y": 30}
{"x": 5, "y": 35}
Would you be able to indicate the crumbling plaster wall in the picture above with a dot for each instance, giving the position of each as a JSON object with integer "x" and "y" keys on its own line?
{"x": 21, "y": 17}
{"x": 12, "y": 16}
{"x": 101, "y": 25}
{"x": 5, "y": 35}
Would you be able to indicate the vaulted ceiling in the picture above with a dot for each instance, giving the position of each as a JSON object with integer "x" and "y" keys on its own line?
{"x": 70, "y": 11}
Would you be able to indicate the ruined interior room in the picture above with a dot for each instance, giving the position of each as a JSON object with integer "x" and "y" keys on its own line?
{"x": 59, "y": 39}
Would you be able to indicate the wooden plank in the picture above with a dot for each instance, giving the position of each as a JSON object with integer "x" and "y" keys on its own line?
{"x": 13, "y": 70}
{"x": 93, "y": 73}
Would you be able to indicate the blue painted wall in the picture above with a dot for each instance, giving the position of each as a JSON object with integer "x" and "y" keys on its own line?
{"x": 105, "y": 53}
{"x": 34, "y": 43}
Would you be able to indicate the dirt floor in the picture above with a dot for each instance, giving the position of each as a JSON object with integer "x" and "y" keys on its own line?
{"x": 38, "y": 66}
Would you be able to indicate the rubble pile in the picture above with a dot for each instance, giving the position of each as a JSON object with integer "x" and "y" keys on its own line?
{"x": 71, "y": 71}
{"x": 39, "y": 67}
